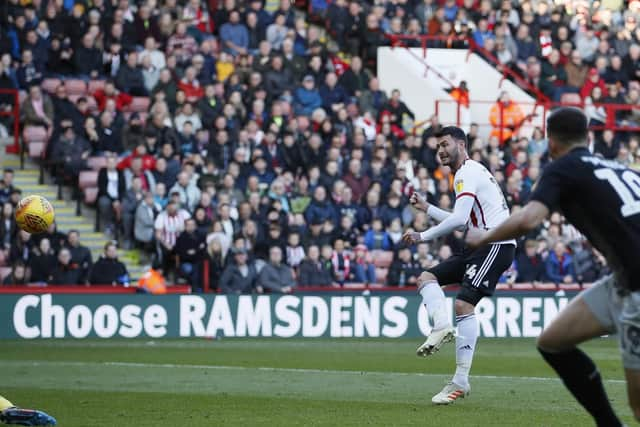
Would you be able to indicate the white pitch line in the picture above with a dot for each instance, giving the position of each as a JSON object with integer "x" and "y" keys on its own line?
{"x": 273, "y": 369}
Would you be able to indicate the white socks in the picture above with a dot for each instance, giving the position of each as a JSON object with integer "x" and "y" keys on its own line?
{"x": 435, "y": 302}
{"x": 468, "y": 330}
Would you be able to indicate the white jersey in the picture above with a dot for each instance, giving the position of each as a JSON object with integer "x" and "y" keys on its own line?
{"x": 490, "y": 207}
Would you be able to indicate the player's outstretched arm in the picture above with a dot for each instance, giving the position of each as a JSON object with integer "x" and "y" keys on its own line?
{"x": 516, "y": 225}
{"x": 419, "y": 202}
{"x": 457, "y": 219}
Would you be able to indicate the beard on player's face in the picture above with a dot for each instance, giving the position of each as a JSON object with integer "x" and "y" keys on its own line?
{"x": 449, "y": 155}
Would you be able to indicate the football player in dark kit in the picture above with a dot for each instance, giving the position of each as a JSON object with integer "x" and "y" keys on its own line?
{"x": 601, "y": 198}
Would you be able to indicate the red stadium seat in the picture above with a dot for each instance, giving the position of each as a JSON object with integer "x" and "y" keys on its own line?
{"x": 571, "y": 99}
{"x": 355, "y": 285}
{"x": 522, "y": 286}
{"x": 382, "y": 259}
{"x": 4, "y": 272}
{"x": 139, "y": 104}
{"x": 88, "y": 179}
{"x": 95, "y": 85}
{"x": 34, "y": 134}
{"x": 36, "y": 149}
{"x": 546, "y": 286}
{"x": 569, "y": 286}
{"x": 96, "y": 163}
{"x": 51, "y": 84}
{"x": 75, "y": 87}
{"x": 503, "y": 286}
{"x": 381, "y": 275}
{"x": 91, "y": 195}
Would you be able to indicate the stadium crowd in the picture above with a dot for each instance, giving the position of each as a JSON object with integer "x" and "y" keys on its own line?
{"x": 269, "y": 151}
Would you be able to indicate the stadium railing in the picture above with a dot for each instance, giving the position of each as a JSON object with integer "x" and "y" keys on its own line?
{"x": 534, "y": 113}
{"x": 465, "y": 42}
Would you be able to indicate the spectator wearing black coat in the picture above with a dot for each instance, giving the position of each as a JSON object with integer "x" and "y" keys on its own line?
{"x": 130, "y": 78}
{"x": 71, "y": 152}
{"x": 108, "y": 270}
{"x": 87, "y": 59}
{"x": 80, "y": 255}
{"x": 312, "y": 271}
{"x": 111, "y": 190}
{"x": 530, "y": 265}
{"x": 404, "y": 270}
{"x": 239, "y": 277}
{"x": 66, "y": 272}
{"x": 42, "y": 262}
{"x": 320, "y": 209}
{"x": 189, "y": 249}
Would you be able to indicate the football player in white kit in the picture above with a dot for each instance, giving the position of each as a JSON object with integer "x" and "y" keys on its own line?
{"x": 481, "y": 204}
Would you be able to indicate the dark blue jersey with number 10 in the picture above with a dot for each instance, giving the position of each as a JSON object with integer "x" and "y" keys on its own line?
{"x": 601, "y": 198}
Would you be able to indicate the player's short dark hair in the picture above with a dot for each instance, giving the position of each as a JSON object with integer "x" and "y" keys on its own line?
{"x": 455, "y": 133}
{"x": 568, "y": 125}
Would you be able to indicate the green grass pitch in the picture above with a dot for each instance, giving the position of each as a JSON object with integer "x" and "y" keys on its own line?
{"x": 272, "y": 382}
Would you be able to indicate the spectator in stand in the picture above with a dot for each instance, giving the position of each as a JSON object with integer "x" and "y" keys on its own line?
{"x": 168, "y": 225}
{"x": 189, "y": 250}
{"x": 275, "y": 276}
{"x": 188, "y": 191}
{"x": 376, "y": 237}
{"x": 593, "y": 80}
{"x": 320, "y": 209}
{"x": 18, "y": 275}
{"x": 38, "y": 109}
{"x": 277, "y": 31}
{"x": 29, "y": 73}
{"x": 559, "y": 264}
{"x": 70, "y": 153}
{"x": 530, "y": 265}
{"x": 239, "y": 277}
{"x": 144, "y": 223}
{"x": 80, "y": 255}
{"x": 333, "y": 95}
{"x": 108, "y": 270}
{"x": 576, "y": 72}
{"x": 8, "y": 228}
{"x": 66, "y": 272}
{"x": 42, "y": 262}
{"x": 307, "y": 98}
{"x": 109, "y": 91}
{"x": 404, "y": 270}
{"x": 111, "y": 191}
{"x": 87, "y": 59}
{"x": 234, "y": 35}
{"x": 363, "y": 270}
{"x": 312, "y": 271}
{"x": 130, "y": 78}
{"x": 181, "y": 45}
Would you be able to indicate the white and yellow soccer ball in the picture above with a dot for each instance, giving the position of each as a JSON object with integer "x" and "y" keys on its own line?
{"x": 34, "y": 214}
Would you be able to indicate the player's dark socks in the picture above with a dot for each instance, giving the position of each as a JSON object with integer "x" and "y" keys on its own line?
{"x": 580, "y": 375}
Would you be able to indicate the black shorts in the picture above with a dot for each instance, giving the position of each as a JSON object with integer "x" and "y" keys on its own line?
{"x": 477, "y": 271}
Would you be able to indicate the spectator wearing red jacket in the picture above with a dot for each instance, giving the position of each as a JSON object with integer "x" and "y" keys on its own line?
{"x": 148, "y": 161}
{"x": 593, "y": 80}
{"x": 110, "y": 92}
{"x": 190, "y": 85}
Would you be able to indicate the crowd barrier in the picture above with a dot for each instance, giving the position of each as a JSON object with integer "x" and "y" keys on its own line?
{"x": 348, "y": 314}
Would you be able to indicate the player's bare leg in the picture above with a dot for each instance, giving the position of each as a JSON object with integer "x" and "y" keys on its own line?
{"x": 633, "y": 391}
{"x": 466, "y": 339}
{"x": 434, "y": 300}
{"x": 558, "y": 345}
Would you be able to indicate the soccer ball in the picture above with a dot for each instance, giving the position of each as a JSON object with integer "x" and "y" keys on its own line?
{"x": 34, "y": 214}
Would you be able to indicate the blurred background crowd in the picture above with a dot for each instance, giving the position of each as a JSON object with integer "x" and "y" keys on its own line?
{"x": 247, "y": 144}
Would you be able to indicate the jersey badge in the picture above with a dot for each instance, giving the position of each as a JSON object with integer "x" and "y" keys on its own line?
{"x": 459, "y": 186}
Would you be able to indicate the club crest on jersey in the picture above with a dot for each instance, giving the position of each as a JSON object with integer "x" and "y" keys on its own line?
{"x": 459, "y": 185}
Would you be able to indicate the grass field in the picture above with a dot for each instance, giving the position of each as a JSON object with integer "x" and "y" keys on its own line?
{"x": 290, "y": 382}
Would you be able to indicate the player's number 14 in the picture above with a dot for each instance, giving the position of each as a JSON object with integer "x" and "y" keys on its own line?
{"x": 624, "y": 185}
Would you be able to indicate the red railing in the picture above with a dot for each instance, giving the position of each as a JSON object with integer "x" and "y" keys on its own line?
{"x": 540, "y": 110}
{"x": 15, "y": 148}
{"x": 469, "y": 43}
